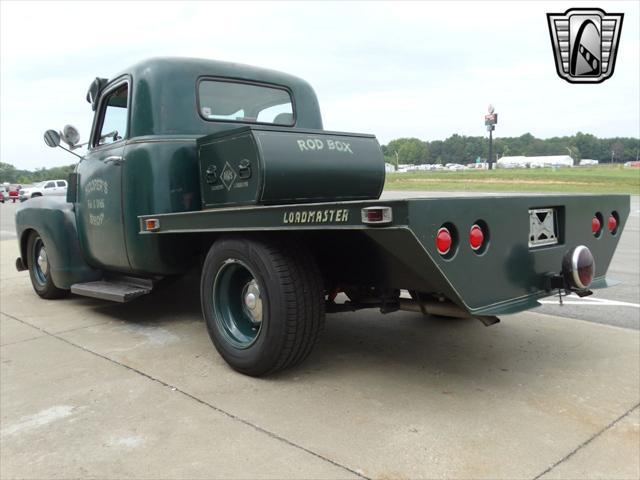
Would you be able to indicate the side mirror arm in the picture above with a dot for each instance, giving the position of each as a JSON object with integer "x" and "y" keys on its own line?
{"x": 73, "y": 153}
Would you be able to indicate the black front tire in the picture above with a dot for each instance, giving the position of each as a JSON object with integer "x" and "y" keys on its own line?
{"x": 39, "y": 272}
{"x": 291, "y": 295}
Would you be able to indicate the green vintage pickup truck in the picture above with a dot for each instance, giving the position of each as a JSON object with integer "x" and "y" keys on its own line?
{"x": 227, "y": 167}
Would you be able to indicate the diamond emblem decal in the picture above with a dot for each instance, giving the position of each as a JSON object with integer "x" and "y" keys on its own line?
{"x": 228, "y": 176}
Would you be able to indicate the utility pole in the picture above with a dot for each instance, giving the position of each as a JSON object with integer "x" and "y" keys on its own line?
{"x": 491, "y": 147}
{"x": 490, "y": 120}
{"x": 571, "y": 155}
{"x": 397, "y": 160}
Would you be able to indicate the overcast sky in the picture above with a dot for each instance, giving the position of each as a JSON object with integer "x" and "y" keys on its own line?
{"x": 426, "y": 70}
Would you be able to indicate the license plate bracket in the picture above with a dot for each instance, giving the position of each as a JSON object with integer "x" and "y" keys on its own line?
{"x": 543, "y": 227}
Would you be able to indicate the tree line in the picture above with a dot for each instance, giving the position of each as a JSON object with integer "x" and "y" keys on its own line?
{"x": 455, "y": 149}
{"x": 464, "y": 149}
{"x": 10, "y": 174}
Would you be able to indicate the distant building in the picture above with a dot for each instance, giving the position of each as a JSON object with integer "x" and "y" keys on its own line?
{"x": 535, "y": 162}
{"x": 389, "y": 168}
{"x": 587, "y": 162}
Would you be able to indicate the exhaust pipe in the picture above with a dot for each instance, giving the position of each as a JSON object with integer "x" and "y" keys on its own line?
{"x": 443, "y": 309}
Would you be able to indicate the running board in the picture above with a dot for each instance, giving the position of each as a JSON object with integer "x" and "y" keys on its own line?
{"x": 121, "y": 289}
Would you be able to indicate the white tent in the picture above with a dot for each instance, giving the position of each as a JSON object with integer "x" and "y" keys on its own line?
{"x": 512, "y": 162}
{"x": 585, "y": 162}
{"x": 536, "y": 162}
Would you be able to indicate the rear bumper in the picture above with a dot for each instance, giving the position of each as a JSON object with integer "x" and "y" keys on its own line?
{"x": 510, "y": 275}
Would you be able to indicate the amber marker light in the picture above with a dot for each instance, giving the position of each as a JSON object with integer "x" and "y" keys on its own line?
{"x": 152, "y": 224}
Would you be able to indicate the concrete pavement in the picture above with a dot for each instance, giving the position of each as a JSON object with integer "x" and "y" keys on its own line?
{"x": 92, "y": 389}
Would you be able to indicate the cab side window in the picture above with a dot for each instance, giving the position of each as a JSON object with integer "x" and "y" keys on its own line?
{"x": 113, "y": 125}
{"x": 61, "y": 183}
{"x": 50, "y": 185}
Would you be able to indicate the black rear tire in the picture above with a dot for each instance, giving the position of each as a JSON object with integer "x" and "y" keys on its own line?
{"x": 290, "y": 293}
{"x": 39, "y": 269}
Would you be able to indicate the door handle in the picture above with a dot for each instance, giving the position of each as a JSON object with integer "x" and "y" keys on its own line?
{"x": 114, "y": 160}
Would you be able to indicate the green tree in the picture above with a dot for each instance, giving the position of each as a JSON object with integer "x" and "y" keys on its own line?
{"x": 10, "y": 174}
{"x": 409, "y": 151}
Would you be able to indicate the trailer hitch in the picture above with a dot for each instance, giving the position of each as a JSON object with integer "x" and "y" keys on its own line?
{"x": 555, "y": 281}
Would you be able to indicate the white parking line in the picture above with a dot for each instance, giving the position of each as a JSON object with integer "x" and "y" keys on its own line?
{"x": 590, "y": 301}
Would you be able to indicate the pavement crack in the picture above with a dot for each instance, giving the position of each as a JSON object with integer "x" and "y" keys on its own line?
{"x": 587, "y": 442}
{"x": 173, "y": 388}
{"x": 20, "y": 341}
{"x": 43, "y": 331}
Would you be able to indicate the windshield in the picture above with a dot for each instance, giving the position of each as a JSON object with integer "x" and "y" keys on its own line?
{"x": 244, "y": 102}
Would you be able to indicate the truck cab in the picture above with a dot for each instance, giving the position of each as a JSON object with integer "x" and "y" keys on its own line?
{"x": 141, "y": 157}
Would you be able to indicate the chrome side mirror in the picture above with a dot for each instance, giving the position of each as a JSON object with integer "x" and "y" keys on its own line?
{"x": 70, "y": 135}
{"x": 52, "y": 138}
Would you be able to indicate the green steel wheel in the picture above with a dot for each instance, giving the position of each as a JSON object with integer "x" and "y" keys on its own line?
{"x": 40, "y": 269}
{"x": 237, "y": 303}
{"x": 263, "y": 303}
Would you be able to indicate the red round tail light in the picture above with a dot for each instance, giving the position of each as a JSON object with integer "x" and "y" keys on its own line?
{"x": 443, "y": 241}
{"x": 612, "y": 223}
{"x": 476, "y": 237}
{"x": 595, "y": 225}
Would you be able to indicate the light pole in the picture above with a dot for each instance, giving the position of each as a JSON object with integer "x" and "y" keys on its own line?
{"x": 490, "y": 120}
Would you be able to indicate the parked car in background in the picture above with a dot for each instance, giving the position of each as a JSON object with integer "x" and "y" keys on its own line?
{"x": 455, "y": 166}
{"x": 48, "y": 187}
{"x": 14, "y": 192}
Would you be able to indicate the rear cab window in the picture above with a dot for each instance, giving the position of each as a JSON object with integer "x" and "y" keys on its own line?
{"x": 61, "y": 183}
{"x": 232, "y": 101}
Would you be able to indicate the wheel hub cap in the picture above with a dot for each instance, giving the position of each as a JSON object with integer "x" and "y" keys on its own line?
{"x": 43, "y": 263}
{"x": 238, "y": 304}
{"x": 252, "y": 301}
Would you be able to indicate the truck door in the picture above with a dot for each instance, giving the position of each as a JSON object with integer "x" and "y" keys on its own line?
{"x": 99, "y": 200}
